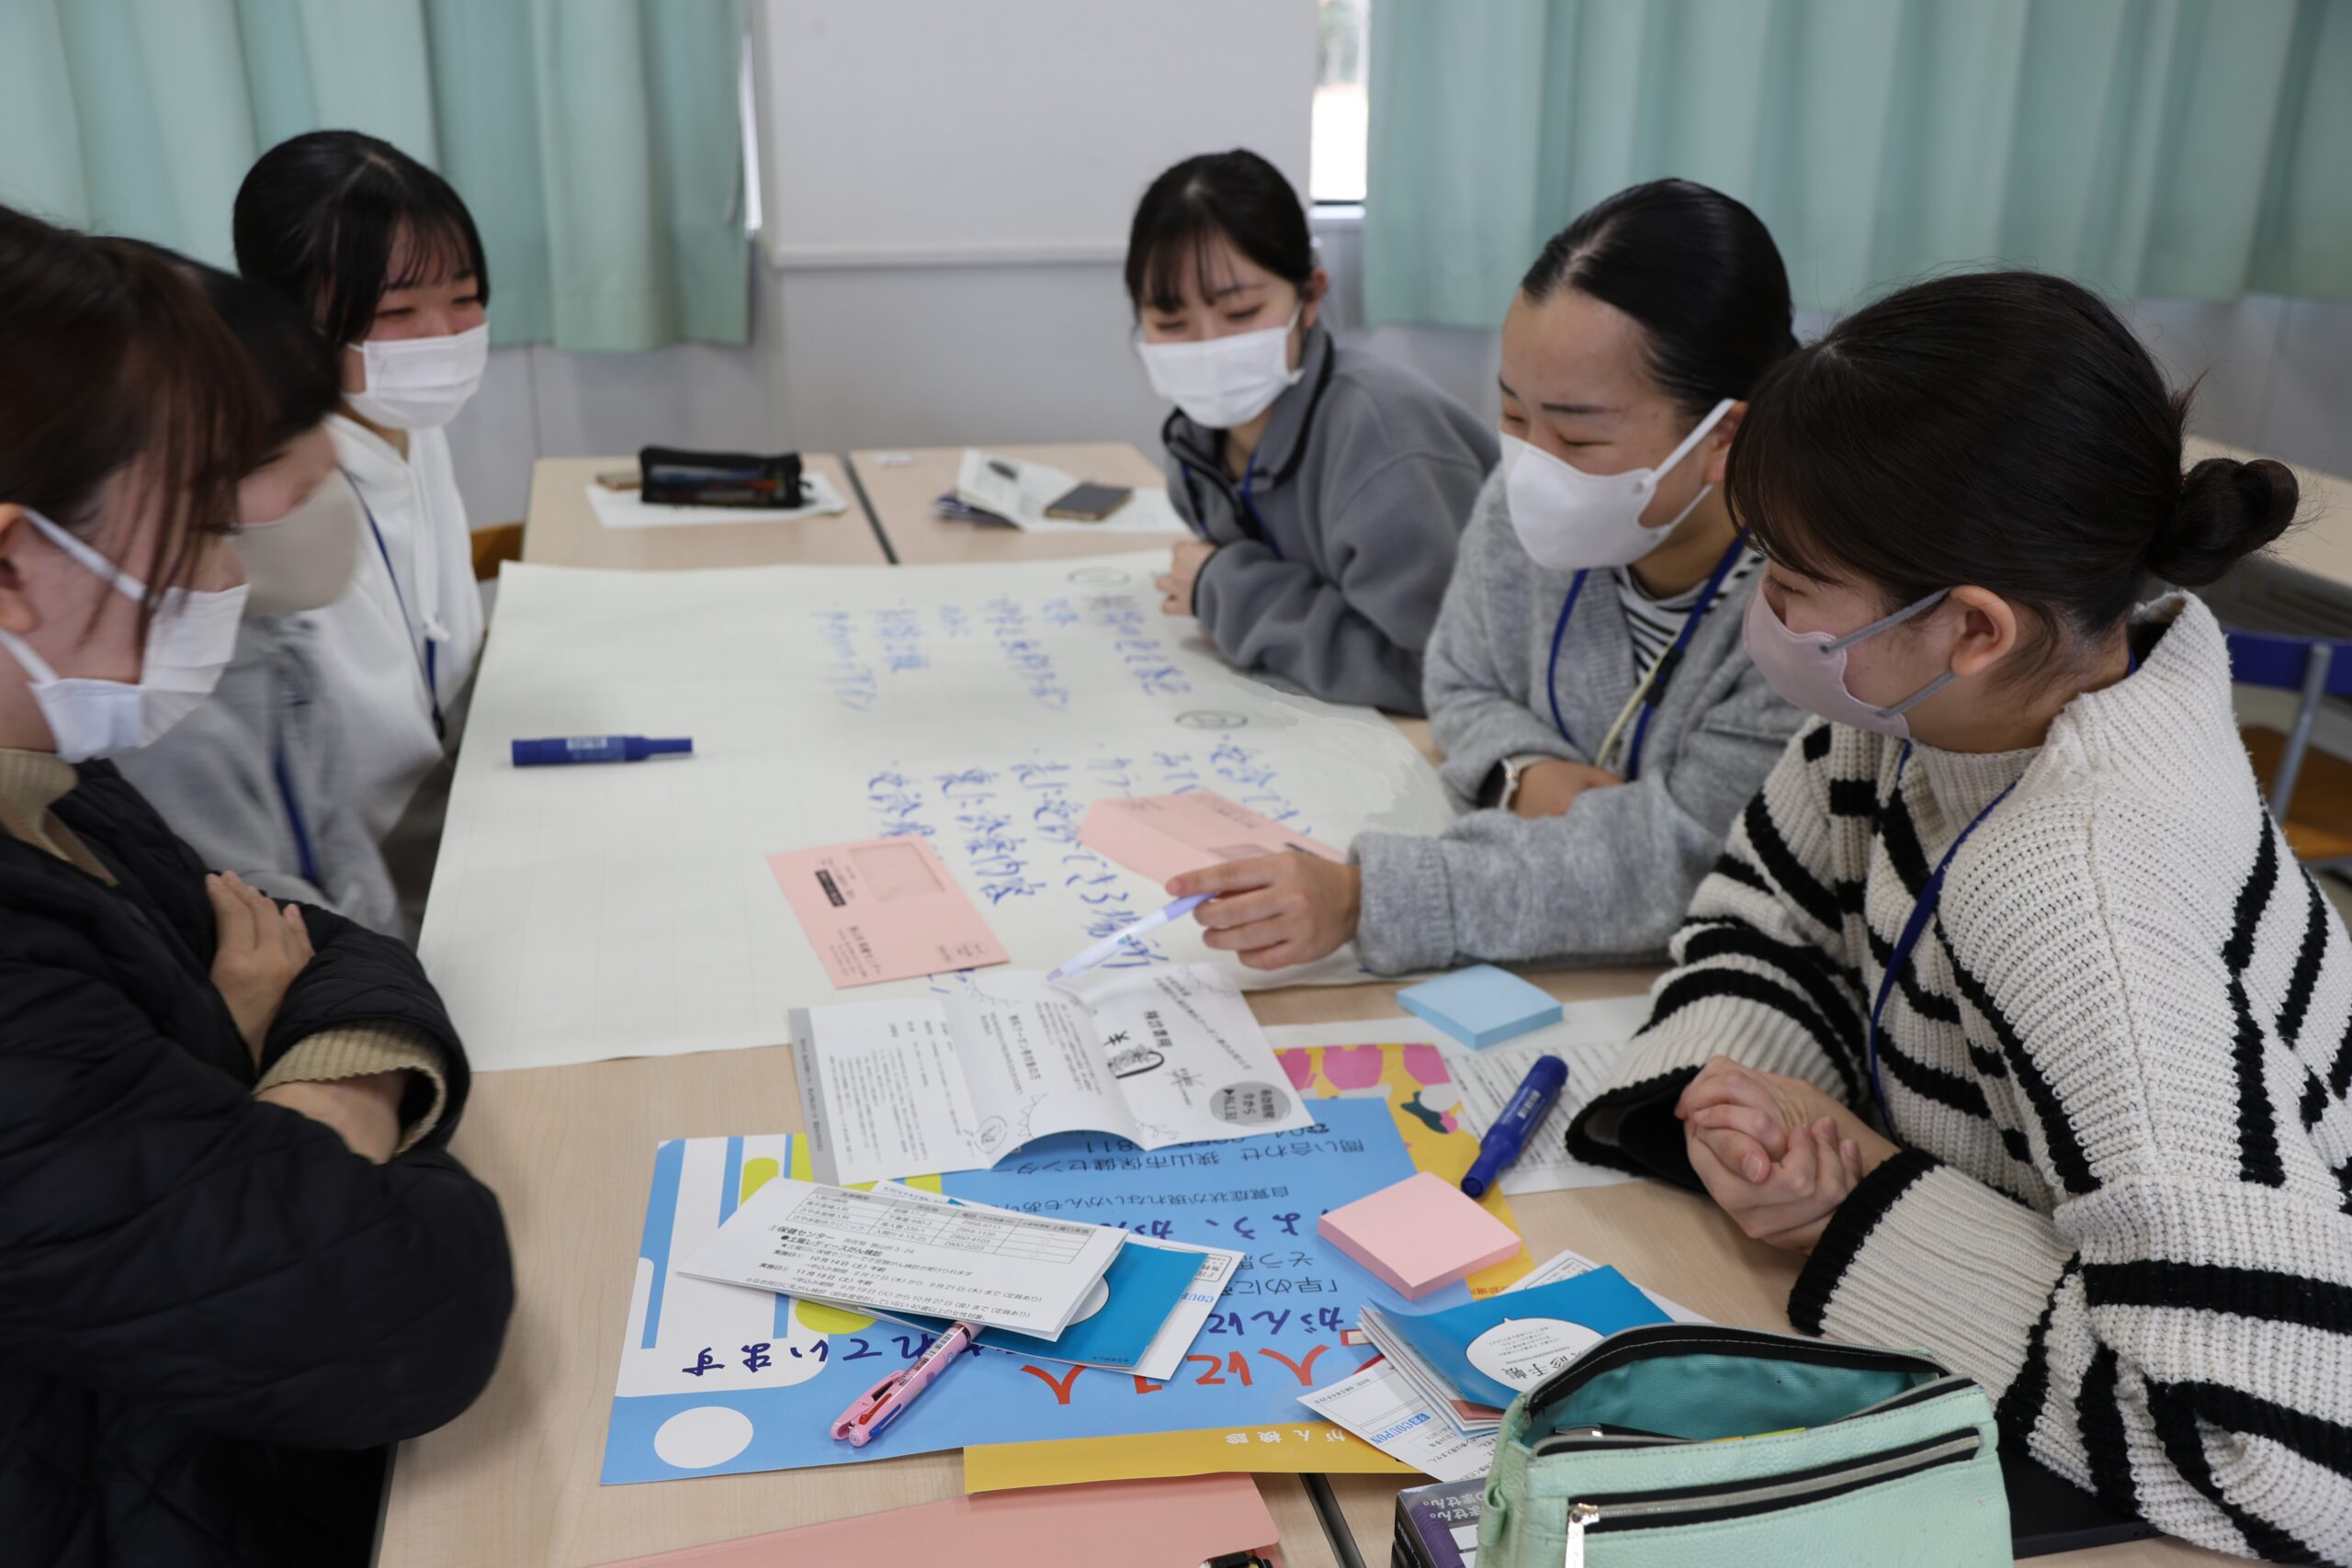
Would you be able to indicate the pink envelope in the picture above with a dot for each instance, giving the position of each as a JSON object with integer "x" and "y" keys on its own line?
{"x": 1161, "y": 836}
{"x": 883, "y": 909}
{"x": 1177, "y": 1523}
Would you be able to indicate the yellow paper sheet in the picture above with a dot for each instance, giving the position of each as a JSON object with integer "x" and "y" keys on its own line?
{"x": 1300, "y": 1448}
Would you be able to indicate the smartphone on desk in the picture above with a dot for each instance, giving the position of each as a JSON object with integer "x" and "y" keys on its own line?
{"x": 1089, "y": 503}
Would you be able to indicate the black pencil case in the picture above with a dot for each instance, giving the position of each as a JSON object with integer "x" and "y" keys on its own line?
{"x": 671, "y": 475}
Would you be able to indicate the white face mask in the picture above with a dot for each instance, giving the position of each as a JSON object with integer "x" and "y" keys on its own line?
{"x": 1220, "y": 382}
{"x": 1569, "y": 520}
{"x": 420, "y": 383}
{"x": 191, "y": 640}
{"x": 304, "y": 560}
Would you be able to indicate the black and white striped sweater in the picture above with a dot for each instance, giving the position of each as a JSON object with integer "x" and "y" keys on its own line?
{"x": 2118, "y": 1065}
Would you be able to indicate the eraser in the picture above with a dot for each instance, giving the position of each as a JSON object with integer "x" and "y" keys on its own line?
{"x": 1480, "y": 1006}
{"x": 1419, "y": 1235}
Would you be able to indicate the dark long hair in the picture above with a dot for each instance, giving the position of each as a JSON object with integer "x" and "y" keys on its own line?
{"x": 1695, "y": 268}
{"x": 297, "y": 364}
{"x": 116, "y": 362}
{"x": 1236, "y": 196}
{"x": 2002, "y": 429}
{"x": 317, "y": 218}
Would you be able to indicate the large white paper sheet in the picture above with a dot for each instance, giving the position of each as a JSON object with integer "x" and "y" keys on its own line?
{"x": 1381, "y": 1405}
{"x": 588, "y": 912}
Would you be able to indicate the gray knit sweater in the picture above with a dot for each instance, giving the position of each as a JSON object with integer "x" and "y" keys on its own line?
{"x": 1611, "y": 876}
{"x": 1331, "y": 573}
{"x": 2118, "y": 1063}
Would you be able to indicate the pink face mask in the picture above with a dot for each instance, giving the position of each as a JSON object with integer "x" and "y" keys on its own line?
{"x": 1809, "y": 670}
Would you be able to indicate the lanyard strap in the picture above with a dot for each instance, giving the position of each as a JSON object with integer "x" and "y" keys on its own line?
{"x": 306, "y": 858}
{"x": 429, "y": 665}
{"x": 1245, "y": 504}
{"x": 1913, "y": 928}
{"x": 1653, "y": 685}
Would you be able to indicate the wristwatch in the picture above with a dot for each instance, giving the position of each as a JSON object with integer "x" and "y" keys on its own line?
{"x": 1513, "y": 769}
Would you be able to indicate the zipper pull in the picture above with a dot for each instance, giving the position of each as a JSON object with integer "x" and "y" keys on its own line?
{"x": 1580, "y": 1516}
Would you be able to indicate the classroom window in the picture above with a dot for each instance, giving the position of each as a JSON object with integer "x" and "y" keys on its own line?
{"x": 1336, "y": 160}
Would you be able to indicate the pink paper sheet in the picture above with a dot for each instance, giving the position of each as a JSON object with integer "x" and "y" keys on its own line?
{"x": 1161, "y": 836}
{"x": 883, "y": 909}
{"x": 1176, "y": 1523}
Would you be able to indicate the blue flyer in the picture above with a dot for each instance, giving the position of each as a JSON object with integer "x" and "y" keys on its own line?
{"x": 719, "y": 1379}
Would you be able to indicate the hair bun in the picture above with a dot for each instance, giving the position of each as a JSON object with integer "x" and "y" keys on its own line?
{"x": 2227, "y": 510}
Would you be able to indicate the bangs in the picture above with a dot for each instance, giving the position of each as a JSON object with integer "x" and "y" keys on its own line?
{"x": 1802, "y": 461}
{"x": 1192, "y": 248}
{"x": 381, "y": 218}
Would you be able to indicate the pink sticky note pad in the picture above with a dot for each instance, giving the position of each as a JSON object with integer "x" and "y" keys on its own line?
{"x": 1419, "y": 1235}
{"x": 883, "y": 909}
{"x": 1161, "y": 836}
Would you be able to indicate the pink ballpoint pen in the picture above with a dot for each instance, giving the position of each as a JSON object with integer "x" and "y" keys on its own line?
{"x": 880, "y": 1406}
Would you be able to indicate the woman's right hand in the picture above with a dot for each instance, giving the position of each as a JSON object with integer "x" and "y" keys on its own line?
{"x": 1548, "y": 789}
{"x": 259, "y": 950}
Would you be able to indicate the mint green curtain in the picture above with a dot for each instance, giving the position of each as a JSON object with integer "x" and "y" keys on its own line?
{"x": 2185, "y": 148}
{"x": 597, "y": 142}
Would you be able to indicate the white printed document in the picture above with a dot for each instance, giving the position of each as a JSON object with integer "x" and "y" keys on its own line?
{"x": 955, "y": 1082}
{"x": 1381, "y": 1405}
{"x": 875, "y": 1249}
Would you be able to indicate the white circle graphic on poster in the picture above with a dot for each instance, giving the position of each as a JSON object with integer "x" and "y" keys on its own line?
{"x": 1520, "y": 1353}
{"x": 705, "y": 1436}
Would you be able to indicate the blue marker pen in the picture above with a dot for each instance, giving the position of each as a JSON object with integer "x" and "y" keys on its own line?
{"x": 595, "y": 749}
{"x": 1530, "y": 1103}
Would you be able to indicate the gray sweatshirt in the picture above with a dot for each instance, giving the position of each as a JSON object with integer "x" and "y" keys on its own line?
{"x": 1611, "y": 877}
{"x": 215, "y": 778}
{"x": 1331, "y": 573}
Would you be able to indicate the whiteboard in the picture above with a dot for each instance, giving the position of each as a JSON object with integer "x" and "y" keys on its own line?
{"x": 585, "y": 912}
{"x": 905, "y": 131}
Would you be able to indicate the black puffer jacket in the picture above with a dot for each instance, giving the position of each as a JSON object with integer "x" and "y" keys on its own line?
{"x": 207, "y": 1304}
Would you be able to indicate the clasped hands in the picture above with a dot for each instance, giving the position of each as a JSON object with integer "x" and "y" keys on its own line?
{"x": 1775, "y": 1153}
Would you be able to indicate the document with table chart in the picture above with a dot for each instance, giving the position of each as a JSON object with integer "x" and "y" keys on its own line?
{"x": 873, "y": 1250}
{"x": 956, "y": 1082}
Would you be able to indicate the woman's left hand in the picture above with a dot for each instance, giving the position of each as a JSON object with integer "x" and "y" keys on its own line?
{"x": 1792, "y": 1206}
{"x": 1745, "y": 1116}
{"x": 1183, "y": 573}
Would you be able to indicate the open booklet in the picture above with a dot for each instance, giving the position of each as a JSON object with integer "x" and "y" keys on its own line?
{"x": 930, "y": 1084}
{"x": 990, "y": 485}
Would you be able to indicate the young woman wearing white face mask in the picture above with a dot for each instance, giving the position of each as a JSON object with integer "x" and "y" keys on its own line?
{"x": 255, "y": 778}
{"x": 1327, "y": 486}
{"x": 1600, "y": 723}
{"x": 387, "y": 260}
{"x": 236, "y": 1260}
{"x": 2008, "y": 1005}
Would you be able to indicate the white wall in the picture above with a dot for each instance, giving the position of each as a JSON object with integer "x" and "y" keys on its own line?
{"x": 947, "y": 187}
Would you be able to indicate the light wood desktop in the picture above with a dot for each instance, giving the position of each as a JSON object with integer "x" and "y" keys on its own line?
{"x": 2323, "y": 545}
{"x": 902, "y": 494}
{"x": 563, "y": 530}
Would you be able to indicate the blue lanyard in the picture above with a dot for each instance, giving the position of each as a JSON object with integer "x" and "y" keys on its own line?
{"x": 1922, "y": 911}
{"x": 432, "y": 662}
{"x": 1913, "y": 928}
{"x": 1249, "y": 504}
{"x": 306, "y": 858}
{"x": 1659, "y": 675}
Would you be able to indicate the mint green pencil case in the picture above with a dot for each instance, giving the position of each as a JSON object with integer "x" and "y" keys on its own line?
{"x": 1692, "y": 1446}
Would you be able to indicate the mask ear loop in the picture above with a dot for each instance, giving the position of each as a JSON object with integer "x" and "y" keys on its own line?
{"x": 1896, "y": 619}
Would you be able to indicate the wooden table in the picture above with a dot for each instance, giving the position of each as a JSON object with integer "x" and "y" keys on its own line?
{"x": 563, "y": 530}
{"x": 569, "y": 1151}
{"x": 902, "y": 494}
{"x": 2323, "y": 545}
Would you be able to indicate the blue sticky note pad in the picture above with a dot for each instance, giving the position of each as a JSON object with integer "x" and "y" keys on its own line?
{"x": 1480, "y": 1006}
